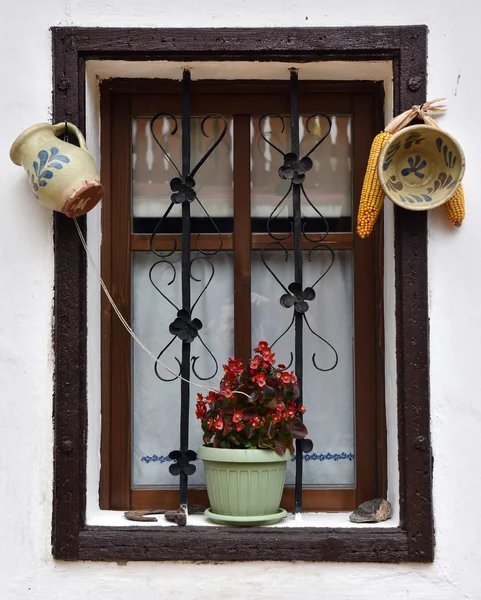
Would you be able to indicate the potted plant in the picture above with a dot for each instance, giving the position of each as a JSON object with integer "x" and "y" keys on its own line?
{"x": 249, "y": 426}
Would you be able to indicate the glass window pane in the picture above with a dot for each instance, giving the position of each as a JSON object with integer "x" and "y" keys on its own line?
{"x": 155, "y": 403}
{"x": 152, "y": 173}
{"x": 328, "y": 184}
{"x": 328, "y": 396}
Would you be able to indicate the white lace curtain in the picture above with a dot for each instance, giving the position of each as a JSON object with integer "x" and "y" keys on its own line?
{"x": 329, "y": 397}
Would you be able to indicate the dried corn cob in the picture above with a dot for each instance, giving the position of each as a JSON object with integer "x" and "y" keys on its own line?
{"x": 455, "y": 207}
{"x": 372, "y": 194}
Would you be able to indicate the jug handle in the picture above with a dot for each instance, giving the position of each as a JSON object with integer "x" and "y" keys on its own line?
{"x": 59, "y": 129}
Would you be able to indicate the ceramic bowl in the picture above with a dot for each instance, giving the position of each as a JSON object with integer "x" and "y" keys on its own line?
{"x": 421, "y": 167}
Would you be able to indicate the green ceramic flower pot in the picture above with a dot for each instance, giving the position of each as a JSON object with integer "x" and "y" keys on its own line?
{"x": 244, "y": 486}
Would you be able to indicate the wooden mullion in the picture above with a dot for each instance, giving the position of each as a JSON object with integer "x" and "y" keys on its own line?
{"x": 141, "y": 241}
{"x": 105, "y": 307}
{"x": 365, "y": 317}
{"x": 242, "y": 238}
{"x": 378, "y": 119}
{"x": 120, "y": 435}
{"x": 336, "y": 241}
{"x": 205, "y": 241}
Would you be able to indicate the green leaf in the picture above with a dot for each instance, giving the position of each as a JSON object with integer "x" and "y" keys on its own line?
{"x": 279, "y": 447}
{"x": 250, "y": 431}
{"x": 299, "y": 430}
{"x": 268, "y": 393}
{"x": 271, "y": 404}
{"x": 234, "y": 440}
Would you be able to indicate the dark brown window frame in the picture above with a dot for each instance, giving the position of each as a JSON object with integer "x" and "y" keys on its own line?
{"x": 72, "y": 538}
{"x": 122, "y": 100}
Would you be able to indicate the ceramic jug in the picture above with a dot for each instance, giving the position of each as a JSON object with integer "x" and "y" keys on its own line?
{"x": 63, "y": 176}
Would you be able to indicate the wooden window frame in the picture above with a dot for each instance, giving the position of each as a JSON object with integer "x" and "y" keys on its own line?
{"x": 120, "y": 102}
{"x": 72, "y": 537}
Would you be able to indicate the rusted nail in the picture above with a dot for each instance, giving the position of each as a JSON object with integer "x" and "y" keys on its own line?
{"x": 63, "y": 84}
{"x": 67, "y": 446}
{"x": 414, "y": 83}
{"x": 421, "y": 443}
{"x": 141, "y": 515}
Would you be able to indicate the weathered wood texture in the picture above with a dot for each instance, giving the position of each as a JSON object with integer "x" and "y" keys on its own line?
{"x": 69, "y": 335}
{"x": 412, "y": 331}
{"x": 243, "y": 543}
{"x": 71, "y": 539}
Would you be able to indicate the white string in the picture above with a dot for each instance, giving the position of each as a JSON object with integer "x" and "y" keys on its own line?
{"x": 127, "y": 326}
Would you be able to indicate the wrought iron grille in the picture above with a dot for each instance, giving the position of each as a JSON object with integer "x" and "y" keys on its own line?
{"x": 186, "y": 327}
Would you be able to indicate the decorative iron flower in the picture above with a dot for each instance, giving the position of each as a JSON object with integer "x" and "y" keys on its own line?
{"x": 182, "y": 464}
{"x": 293, "y": 168}
{"x": 297, "y": 297}
{"x": 183, "y": 190}
{"x": 184, "y": 328}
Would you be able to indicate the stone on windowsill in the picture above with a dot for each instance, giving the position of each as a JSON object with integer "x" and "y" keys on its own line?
{"x": 372, "y": 511}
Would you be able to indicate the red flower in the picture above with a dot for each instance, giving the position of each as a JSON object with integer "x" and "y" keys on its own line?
{"x": 241, "y": 410}
{"x": 235, "y": 366}
{"x": 255, "y": 422}
{"x": 281, "y": 411}
{"x": 211, "y": 397}
{"x": 301, "y": 409}
{"x": 226, "y": 391}
{"x": 255, "y": 363}
{"x": 260, "y": 379}
{"x": 281, "y": 366}
{"x": 261, "y": 347}
{"x": 269, "y": 356}
{"x": 291, "y": 408}
{"x": 200, "y": 410}
{"x": 237, "y": 416}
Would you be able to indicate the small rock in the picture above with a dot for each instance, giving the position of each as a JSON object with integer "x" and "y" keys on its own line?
{"x": 178, "y": 517}
{"x": 372, "y": 511}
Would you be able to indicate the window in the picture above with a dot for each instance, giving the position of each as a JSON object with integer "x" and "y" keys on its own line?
{"x": 243, "y": 258}
{"x": 75, "y": 538}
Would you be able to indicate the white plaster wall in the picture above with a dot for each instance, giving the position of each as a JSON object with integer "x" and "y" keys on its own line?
{"x": 26, "y": 269}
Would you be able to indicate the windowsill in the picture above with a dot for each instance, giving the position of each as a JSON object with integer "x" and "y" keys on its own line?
{"x": 113, "y": 518}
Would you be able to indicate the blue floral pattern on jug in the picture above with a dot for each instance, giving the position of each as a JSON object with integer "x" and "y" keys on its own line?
{"x": 413, "y": 198}
{"x": 416, "y": 165}
{"x": 42, "y": 168}
{"x": 390, "y": 155}
{"x": 449, "y": 159}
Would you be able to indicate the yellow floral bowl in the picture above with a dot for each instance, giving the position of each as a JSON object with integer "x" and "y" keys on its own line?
{"x": 421, "y": 167}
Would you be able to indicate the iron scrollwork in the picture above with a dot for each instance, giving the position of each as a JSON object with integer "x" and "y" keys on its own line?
{"x": 296, "y": 296}
{"x": 185, "y": 326}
